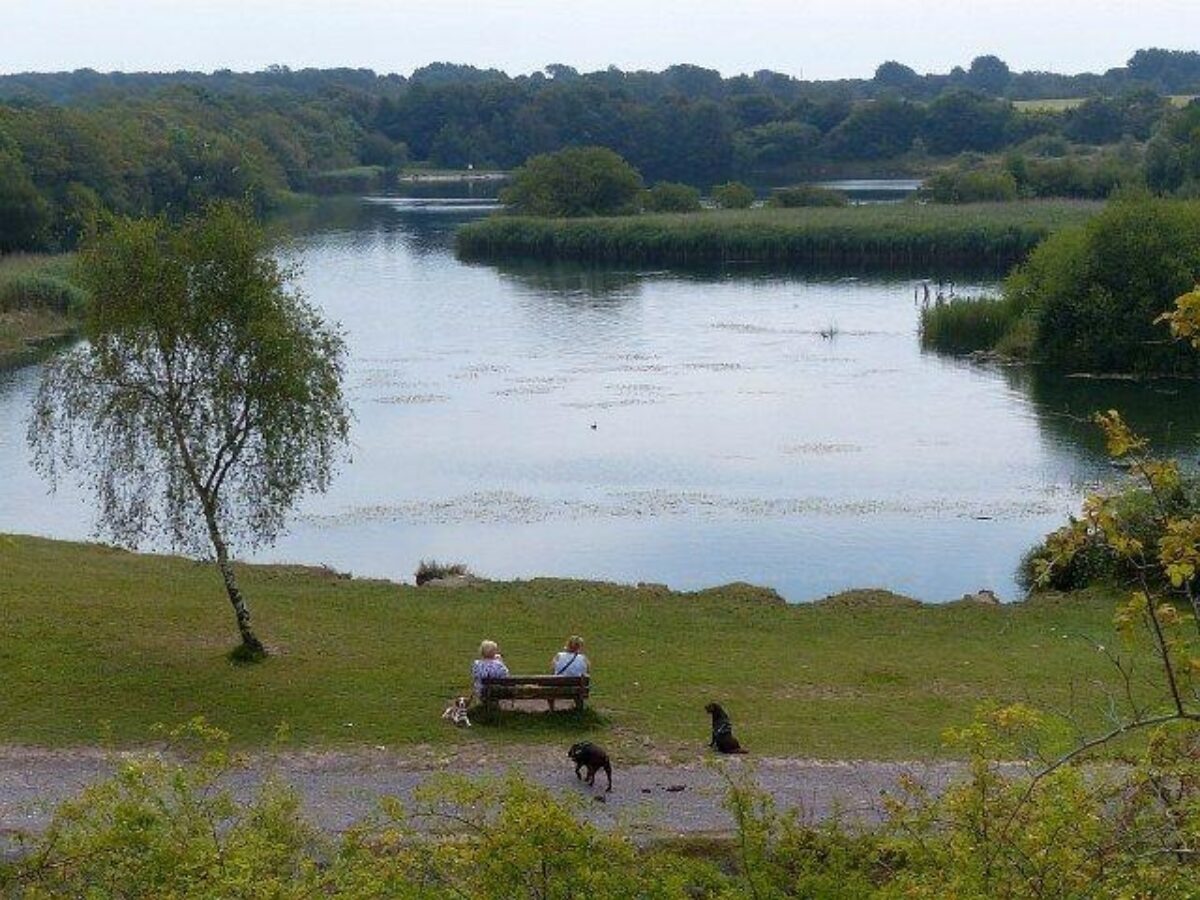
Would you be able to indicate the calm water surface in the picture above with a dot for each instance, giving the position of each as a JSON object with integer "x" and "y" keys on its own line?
{"x": 651, "y": 426}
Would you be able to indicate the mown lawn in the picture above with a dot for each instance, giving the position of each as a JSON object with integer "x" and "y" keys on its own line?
{"x": 97, "y": 643}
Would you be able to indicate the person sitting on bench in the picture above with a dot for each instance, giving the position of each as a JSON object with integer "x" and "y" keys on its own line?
{"x": 570, "y": 661}
{"x": 489, "y": 665}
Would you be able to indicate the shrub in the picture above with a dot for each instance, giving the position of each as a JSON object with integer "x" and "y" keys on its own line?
{"x": 669, "y": 196}
{"x": 36, "y": 290}
{"x": 578, "y": 181}
{"x": 1089, "y": 298}
{"x": 733, "y": 195}
{"x": 159, "y": 828}
{"x": 806, "y": 195}
{"x": 1097, "y": 293}
{"x": 1137, "y": 513}
{"x": 170, "y": 829}
{"x": 975, "y": 186}
{"x": 432, "y": 570}
{"x": 1088, "y": 178}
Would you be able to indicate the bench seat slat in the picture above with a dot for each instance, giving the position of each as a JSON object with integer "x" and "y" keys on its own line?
{"x": 536, "y": 687}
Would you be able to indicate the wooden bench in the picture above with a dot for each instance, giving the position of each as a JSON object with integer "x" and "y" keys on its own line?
{"x": 534, "y": 687}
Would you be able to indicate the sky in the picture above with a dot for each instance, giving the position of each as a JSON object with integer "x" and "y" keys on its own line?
{"x": 816, "y": 39}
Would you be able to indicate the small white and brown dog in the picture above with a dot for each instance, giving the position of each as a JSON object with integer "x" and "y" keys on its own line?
{"x": 456, "y": 712}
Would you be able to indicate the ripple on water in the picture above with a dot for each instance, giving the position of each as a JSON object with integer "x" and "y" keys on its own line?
{"x": 413, "y": 399}
{"x": 508, "y": 507}
{"x": 819, "y": 449}
{"x": 475, "y": 371}
{"x": 613, "y": 404}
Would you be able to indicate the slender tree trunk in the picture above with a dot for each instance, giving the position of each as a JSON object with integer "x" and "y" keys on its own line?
{"x": 250, "y": 641}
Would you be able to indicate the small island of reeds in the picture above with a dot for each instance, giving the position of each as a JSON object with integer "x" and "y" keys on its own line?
{"x": 897, "y": 237}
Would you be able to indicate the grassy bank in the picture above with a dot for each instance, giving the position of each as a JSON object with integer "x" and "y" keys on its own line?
{"x": 990, "y": 236}
{"x": 98, "y": 641}
{"x": 38, "y": 304}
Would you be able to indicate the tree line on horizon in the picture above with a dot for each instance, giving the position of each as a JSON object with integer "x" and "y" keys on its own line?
{"x": 73, "y": 145}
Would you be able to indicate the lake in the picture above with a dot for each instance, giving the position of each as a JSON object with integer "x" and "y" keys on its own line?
{"x": 630, "y": 425}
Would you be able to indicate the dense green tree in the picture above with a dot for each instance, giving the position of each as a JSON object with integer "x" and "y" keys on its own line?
{"x": 1173, "y": 156}
{"x": 579, "y": 181}
{"x": 964, "y": 120}
{"x": 670, "y": 196}
{"x": 1096, "y": 292}
{"x": 733, "y": 195}
{"x": 879, "y": 130}
{"x": 776, "y": 145}
{"x": 207, "y": 398}
{"x": 1173, "y": 71}
{"x": 892, "y": 74}
{"x": 989, "y": 74}
{"x": 1106, "y": 120}
{"x": 24, "y": 213}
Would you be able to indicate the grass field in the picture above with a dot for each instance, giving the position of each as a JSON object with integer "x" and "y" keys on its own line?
{"x": 990, "y": 236}
{"x": 101, "y": 642}
{"x": 1062, "y": 104}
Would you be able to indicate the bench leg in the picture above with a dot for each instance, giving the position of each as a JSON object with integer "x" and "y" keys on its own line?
{"x": 578, "y": 704}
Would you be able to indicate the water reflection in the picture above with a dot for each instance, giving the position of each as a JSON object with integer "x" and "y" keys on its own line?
{"x": 691, "y": 428}
{"x": 1167, "y": 411}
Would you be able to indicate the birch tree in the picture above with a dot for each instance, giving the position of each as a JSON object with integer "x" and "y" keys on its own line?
{"x": 207, "y": 398}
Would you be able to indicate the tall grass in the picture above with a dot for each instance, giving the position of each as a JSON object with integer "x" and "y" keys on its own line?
{"x": 966, "y": 324}
{"x": 38, "y": 303}
{"x": 987, "y": 236}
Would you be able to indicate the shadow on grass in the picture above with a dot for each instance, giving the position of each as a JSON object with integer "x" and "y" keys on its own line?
{"x": 241, "y": 655}
{"x": 534, "y": 723}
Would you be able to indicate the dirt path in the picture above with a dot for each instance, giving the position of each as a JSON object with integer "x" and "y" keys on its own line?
{"x": 341, "y": 787}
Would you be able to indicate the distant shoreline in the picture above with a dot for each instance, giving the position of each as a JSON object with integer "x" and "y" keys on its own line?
{"x": 449, "y": 177}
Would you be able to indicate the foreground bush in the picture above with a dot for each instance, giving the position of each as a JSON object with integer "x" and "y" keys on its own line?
{"x": 162, "y": 828}
{"x": 1137, "y": 512}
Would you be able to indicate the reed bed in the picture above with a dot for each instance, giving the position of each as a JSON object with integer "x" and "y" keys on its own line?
{"x": 967, "y": 324}
{"x": 990, "y": 236}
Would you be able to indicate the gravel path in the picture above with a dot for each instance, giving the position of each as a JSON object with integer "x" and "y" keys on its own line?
{"x": 341, "y": 787}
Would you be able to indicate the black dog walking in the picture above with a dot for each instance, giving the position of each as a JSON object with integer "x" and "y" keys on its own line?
{"x": 593, "y": 758}
{"x": 722, "y": 730}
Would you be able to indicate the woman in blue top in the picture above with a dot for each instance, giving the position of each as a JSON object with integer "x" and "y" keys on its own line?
{"x": 570, "y": 661}
{"x": 489, "y": 665}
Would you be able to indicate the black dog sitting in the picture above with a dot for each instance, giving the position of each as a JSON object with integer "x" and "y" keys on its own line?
{"x": 588, "y": 755}
{"x": 722, "y": 730}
